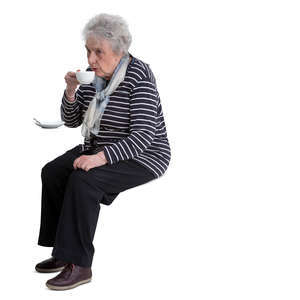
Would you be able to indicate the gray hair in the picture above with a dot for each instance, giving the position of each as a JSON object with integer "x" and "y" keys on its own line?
{"x": 113, "y": 28}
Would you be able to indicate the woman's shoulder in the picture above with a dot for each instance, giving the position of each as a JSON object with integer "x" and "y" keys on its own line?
{"x": 141, "y": 69}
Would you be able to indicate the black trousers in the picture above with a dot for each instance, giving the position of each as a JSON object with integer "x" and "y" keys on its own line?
{"x": 71, "y": 202}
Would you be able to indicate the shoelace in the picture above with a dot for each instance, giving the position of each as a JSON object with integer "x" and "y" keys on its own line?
{"x": 72, "y": 266}
{"x": 67, "y": 271}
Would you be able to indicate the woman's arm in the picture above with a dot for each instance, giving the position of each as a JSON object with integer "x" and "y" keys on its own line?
{"x": 71, "y": 110}
{"x": 71, "y": 106}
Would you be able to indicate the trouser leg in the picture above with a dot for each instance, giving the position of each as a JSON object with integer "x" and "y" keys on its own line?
{"x": 54, "y": 177}
{"x": 78, "y": 221}
{"x": 81, "y": 205}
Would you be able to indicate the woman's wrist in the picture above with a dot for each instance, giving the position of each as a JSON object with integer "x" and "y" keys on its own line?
{"x": 102, "y": 156}
{"x": 70, "y": 93}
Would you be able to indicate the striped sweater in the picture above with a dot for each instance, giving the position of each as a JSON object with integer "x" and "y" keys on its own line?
{"x": 132, "y": 125}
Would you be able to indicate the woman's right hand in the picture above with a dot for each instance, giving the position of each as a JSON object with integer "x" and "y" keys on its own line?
{"x": 71, "y": 82}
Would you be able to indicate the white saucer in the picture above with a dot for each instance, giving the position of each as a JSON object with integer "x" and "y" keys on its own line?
{"x": 49, "y": 124}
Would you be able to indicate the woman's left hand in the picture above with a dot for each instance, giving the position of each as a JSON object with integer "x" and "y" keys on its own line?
{"x": 87, "y": 162}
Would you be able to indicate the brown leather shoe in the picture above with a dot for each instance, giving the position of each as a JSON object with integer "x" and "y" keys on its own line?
{"x": 50, "y": 265}
{"x": 70, "y": 277}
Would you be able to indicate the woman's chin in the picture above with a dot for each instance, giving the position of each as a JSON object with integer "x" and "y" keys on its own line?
{"x": 99, "y": 74}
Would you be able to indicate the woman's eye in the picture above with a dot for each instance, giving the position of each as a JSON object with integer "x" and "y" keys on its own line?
{"x": 98, "y": 52}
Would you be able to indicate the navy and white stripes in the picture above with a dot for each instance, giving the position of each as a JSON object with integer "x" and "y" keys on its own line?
{"x": 132, "y": 125}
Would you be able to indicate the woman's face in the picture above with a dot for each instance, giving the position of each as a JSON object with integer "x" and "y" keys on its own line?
{"x": 101, "y": 58}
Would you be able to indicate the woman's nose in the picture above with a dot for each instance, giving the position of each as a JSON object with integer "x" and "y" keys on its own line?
{"x": 92, "y": 58}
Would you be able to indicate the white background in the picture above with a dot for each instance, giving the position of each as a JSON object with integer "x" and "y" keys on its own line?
{"x": 223, "y": 222}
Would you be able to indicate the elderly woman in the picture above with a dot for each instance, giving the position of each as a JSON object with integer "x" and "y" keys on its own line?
{"x": 125, "y": 145}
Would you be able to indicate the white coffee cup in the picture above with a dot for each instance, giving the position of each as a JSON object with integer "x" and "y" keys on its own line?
{"x": 85, "y": 77}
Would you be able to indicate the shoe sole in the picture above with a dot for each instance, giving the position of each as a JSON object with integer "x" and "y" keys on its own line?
{"x": 49, "y": 270}
{"x": 67, "y": 287}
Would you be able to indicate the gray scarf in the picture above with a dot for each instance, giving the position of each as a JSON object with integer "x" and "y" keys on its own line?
{"x": 93, "y": 115}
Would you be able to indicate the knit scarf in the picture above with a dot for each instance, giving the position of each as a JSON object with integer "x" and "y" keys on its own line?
{"x": 93, "y": 115}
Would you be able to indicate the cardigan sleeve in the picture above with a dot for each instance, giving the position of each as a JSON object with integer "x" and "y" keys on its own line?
{"x": 143, "y": 111}
{"x": 71, "y": 111}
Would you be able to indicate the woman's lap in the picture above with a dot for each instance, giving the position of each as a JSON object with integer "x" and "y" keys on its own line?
{"x": 111, "y": 179}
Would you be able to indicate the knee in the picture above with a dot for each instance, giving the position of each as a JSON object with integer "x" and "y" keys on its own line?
{"x": 47, "y": 171}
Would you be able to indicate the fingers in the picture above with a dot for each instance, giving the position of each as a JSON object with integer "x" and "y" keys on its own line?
{"x": 87, "y": 162}
{"x": 79, "y": 163}
{"x": 72, "y": 74}
{"x": 75, "y": 163}
{"x": 71, "y": 80}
